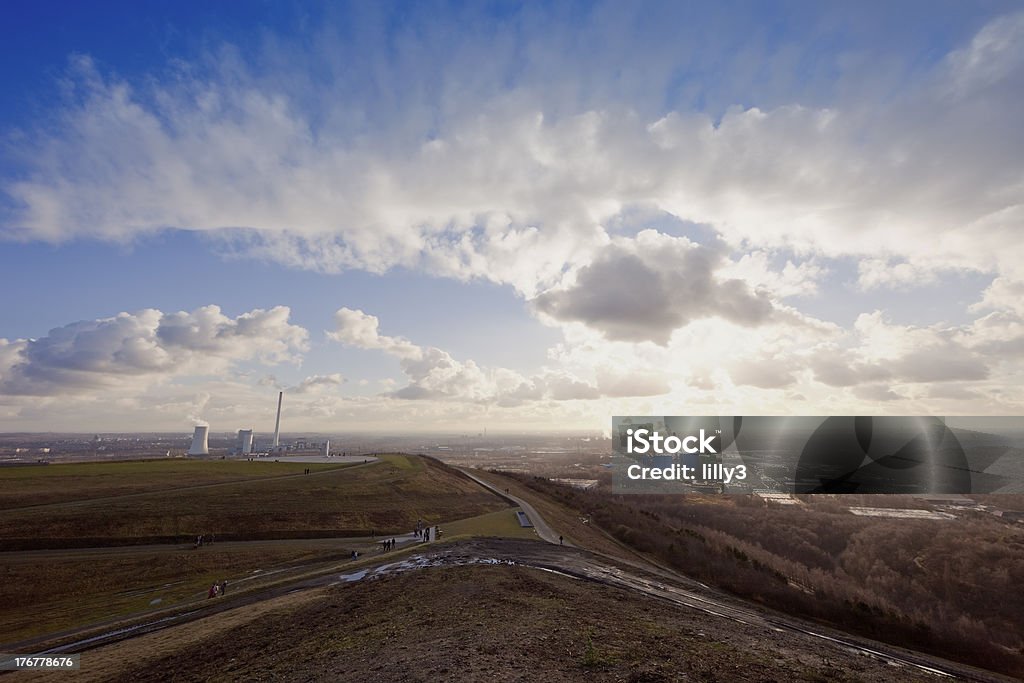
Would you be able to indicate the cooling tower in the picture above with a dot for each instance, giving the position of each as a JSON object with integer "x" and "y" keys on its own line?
{"x": 244, "y": 445}
{"x": 277, "y": 425}
{"x": 199, "y": 445}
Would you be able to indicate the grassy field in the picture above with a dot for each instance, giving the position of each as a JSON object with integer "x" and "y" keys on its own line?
{"x": 44, "y": 591}
{"x": 49, "y": 591}
{"x": 387, "y": 497}
{"x": 60, "y": 483}
{"x": 502, "y": 523}
{"x": 568, "y": 521}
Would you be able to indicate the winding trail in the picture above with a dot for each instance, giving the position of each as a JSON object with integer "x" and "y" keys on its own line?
{"x": 543, "y": 530}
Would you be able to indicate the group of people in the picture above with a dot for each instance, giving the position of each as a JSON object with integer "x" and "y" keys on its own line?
{"x": 201, "y": 540}
{"x": 422, "y": 532}
{"x": 388, "y": 544}
{"x": 218, "y": 589}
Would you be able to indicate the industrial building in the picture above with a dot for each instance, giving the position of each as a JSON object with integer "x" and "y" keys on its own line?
{"x": 244, "y": 443}
{"x": 199, "y": 441}
{"x": 277, "y": 424}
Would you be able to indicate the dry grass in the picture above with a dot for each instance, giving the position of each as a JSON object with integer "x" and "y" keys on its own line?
{"x": 472, "y": 624}
{"x": 62, "y": 483}
{"x": 563, "y": 519}
{"x": 387, "y": 497}
{"x": 47, "y": 592}
{"x": 502, "y": 523}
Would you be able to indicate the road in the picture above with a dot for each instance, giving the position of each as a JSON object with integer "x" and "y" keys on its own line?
{"x": 541, "y": 526}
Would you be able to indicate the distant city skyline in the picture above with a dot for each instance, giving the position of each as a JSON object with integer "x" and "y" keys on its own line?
{"x": 445, "y": 216}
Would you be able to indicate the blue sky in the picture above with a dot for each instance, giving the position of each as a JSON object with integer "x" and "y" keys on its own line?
{"x": 537, "y": 215}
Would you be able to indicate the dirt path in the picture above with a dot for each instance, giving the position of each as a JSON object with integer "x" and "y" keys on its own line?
{"x": 15, "y": 556}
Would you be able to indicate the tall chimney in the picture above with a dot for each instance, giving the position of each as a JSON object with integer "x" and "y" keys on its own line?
{"x": 277, "y": 425}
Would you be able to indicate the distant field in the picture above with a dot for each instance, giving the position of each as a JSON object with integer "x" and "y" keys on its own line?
{"x": 47, "y": 484}
{"x": 386, "y": 498}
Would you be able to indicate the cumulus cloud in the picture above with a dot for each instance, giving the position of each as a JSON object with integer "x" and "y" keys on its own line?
{"x": 316, "y": 383}
{"x": 881, "y": 273}
{"x": 882, "y": 351}
{"x": 433, "y": 373}
{"x": 355, "y": 328}
{"x": 791, "y": 280}
{"x": 645, "y": 288}
{"x": 504, "y": 190}
{"x": 1003, "y": 294}
{"x": 531, "y": 191}
{"x": 876, "y": 392}
{"x": 764, "y": 374}
{"x": 143, "y": 346}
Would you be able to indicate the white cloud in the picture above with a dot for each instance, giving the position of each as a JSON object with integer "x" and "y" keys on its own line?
{"x": 361, "y": 330}
{"x": 137, "y": 348}
{"x": 876, "y": 392}
{"x": 1003, "y": 294}
{"x": 793, "y": 280}
{"x": 874, "y": 273}
{"x": 511, "y": 189}
{"x": 509, "y": 193}
{"x": 994, "y": 55}
{"x": 317, "y": 383}
{"x": 434, "y": 374}
{"x": 879, "y": 350}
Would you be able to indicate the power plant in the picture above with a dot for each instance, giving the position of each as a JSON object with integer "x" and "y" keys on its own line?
{"x": 244, "y": 444}
{"x": 277, "y": 425}
{"x": 245, "y": 441}
{"x": 199, "y": 443}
